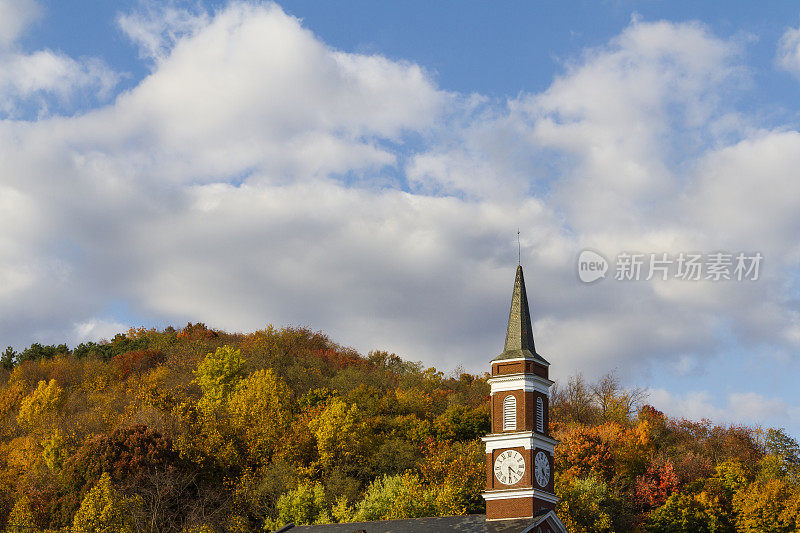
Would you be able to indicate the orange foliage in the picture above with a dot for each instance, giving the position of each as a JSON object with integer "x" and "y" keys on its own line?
{"x": 197, "y": 331}
{"x": 585, "y": 450}
{"x": 137, "y": 361}
{"x": 657, "y": 484}
{"x": 338, "y": 359}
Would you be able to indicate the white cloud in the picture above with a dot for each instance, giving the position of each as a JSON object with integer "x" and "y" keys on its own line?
{"x": 42, "y": 79}
{"x": 251, "y": 88}
{"x": 695, "y": 405}
{"x": 749, "y": 408}
{"x": 624, "y": 113}
{"x": 258, "y": 175}
{"x": 156, "y": 29}
{"x": 94, "y": 330}
{"x": 15, "y": 16}
{"x": 37, "y": 76}
{"x": 789, "y": 51}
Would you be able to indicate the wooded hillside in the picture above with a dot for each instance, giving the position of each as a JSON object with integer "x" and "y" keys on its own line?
{"x": 201, "y": 430}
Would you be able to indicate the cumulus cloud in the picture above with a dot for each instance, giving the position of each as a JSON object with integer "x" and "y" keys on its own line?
{"x": 258, "y": 175}
{"x": 43, "y": 79}
{"x": 695, "y": 405}
{"x": 749, "y": 408}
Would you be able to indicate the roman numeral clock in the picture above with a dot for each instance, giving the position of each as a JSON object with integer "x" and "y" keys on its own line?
{"x": 519, "y": 450}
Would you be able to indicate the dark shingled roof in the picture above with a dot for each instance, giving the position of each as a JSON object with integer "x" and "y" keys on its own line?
{"x": 519, "y": 335}
{"x": 456, "y": 524}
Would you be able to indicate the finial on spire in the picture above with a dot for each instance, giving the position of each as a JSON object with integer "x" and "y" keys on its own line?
{"x": 519, "y": 250}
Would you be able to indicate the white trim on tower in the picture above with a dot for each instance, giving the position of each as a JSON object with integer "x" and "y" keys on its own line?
{"x": 522, "y": 439}
{"x": 507, "y": 494}
{"x": 520, "y": 382}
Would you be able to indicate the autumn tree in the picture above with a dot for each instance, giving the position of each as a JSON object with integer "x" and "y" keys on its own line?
{"x": 583, "y": 504}
{"x": 39, "y": 404}
{"x": 104, "y": 510}
{"x": 687, "y": 513}
{"x": 218, "y": 375}
{"x": 340, "y": 431}
{"x": 766, "y": 507}
{"x": 395, "y": 497}
{"x": 305, "y": 504}
{"x": 259, "y": 411}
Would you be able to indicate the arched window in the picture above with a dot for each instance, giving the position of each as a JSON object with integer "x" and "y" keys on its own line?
{"x": 539, "y": 415}
{"x": 509, "y": 413}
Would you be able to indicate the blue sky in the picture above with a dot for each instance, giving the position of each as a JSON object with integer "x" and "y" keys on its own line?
{"x": 362, "y": 167}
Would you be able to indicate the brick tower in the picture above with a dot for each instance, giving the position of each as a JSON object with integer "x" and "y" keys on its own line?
{"x": 519, "y": 450}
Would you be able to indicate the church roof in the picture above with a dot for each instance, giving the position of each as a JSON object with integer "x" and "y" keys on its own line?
{"x": 442, "y": 524}
{"x": 519, "y": 335}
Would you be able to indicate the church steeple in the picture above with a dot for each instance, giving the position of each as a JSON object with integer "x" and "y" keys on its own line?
{"x": 519, "y": 334}
{"x": 520, "y": 450}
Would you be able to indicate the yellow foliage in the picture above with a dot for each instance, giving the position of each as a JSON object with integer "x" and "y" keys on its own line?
{"x": 55, "y": 450}
{"x": 21, "y": 516}
{"x": 237, "y": 524}
{"x": 580, "y": 505}
{"x": 103, "y": 510}
{"x": 642, "y": 433}
{"x": 413, "y": 428}
{"x": 339, "y": 431}
{"x": 259, "y": 413}
{"x": 205, "y": 528}
{"x": 217, "y": 375}
{"x": 24, "y": 453}
{"x": 396, "y": 497}
{"x": 37, "y": 405}
{"x": 414, "y": 401}
{"x": 768, "y": 506}
{"x": 202, "y": 433}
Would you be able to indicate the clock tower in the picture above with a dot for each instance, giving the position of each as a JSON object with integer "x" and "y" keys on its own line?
{"x": 519, "y": 450}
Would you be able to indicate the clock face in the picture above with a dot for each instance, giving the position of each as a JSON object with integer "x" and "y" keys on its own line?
{"x": 509, "y": 467}
{"x": 542, "y": 469}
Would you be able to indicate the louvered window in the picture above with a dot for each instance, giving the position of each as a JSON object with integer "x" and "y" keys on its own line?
{"x": 509, "y": 413}
{"x": 539, "y": 415}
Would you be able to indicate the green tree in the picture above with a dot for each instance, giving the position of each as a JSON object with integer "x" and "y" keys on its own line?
{"x": 785, "y": 448}
{"x": 686, "y": 513}
{"x": 395, "y": 497}
{"x": 8, "y": 358}
{"x": 683, "y": 513}
{"x": 305, "y": 504}
{"x": 37, "y": 351}
{"x": 583, "y": 504}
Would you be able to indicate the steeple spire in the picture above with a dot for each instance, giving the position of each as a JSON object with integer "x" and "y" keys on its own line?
{"x": 519, "y": 334}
